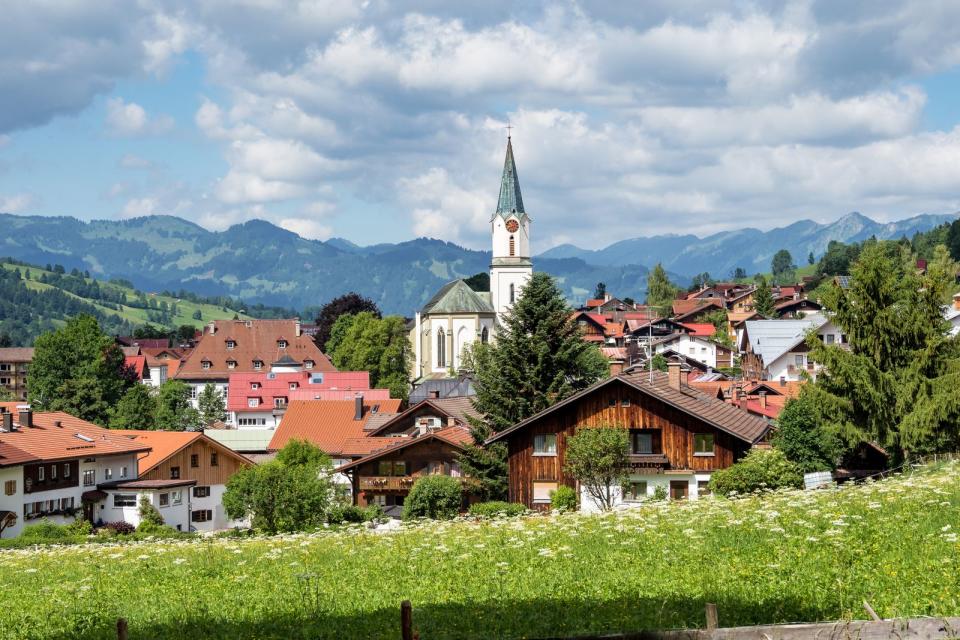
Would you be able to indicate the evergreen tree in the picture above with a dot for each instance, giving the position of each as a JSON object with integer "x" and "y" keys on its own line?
{"x": 174, "y": 411}
{"x": 600, "y": 291}
{"x": 135, "y": 410}
{"x": 953, "y": 240}
{"x": 79, "y": 370}
{"x": 211, "y": 404}
{"x": 763, "y": 298}
{"x": 348, "y": 304}
{"x": 811, "y": 260}
{"x": 896, "y": 383}
{"x": 660, "y": 291}
{"x": 538, "y": 358}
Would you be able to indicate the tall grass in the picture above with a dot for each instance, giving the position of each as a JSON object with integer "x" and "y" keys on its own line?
{"x": 792, "y": 556}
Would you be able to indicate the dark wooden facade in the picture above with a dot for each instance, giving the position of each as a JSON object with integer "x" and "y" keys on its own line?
{"x": 431, "y": 456}
{"x": 619, "y": 405}
{"x": 56, "y": 475}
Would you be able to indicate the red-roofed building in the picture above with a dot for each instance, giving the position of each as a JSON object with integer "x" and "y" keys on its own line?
{"x": 139, "y": 366}
{"x": 700, "y": 329}
{"x": 259, "y": 400}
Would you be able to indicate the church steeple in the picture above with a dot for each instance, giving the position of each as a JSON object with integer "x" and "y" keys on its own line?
{"x": 510, "y": 202}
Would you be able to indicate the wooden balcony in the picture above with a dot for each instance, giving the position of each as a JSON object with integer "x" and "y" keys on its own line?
{"x": 386, "y": 483}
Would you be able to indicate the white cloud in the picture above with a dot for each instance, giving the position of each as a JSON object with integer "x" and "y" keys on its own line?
{"x": 443, "y": 209}
{"x": 307, "y": 228}
{"x": 130, "y": 119}
{"x": 139, "y": 207}
{"x": 17, "y": 203}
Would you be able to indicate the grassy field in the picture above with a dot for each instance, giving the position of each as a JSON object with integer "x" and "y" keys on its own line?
{"x": 790, "y": 557}
{"x": 135, "y": 315}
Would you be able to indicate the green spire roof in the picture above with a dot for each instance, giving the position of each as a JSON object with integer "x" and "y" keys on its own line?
{"x": 510, "y": 199}
{"x": 458, "y": 297}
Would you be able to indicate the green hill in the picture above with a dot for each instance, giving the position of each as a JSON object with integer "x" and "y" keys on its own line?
{"x": 35, "y": 299}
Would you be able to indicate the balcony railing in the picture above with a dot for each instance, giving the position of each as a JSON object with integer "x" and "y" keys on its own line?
{"x": 386, "y": 483}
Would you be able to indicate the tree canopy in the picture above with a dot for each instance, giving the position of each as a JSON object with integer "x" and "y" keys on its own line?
{"x": 381, "y": 346}
{"x": 660, "y": 291}
{"x": 763, "y": 298}
{"x": 135, "y": 410}
{"x": 174, "y": 411}
{"x": 211, "y": 405}
{"x": 599, "y": 459}
{"x": 348, "y": 304}
{"x": 782, "y": 266}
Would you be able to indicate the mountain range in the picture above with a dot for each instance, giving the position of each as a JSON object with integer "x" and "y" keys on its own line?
{"x": 260, "y": 262}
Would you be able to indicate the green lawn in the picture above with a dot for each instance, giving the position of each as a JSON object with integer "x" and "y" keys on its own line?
{"x": 137, "y": 316}
{"x": 791, "y": 557}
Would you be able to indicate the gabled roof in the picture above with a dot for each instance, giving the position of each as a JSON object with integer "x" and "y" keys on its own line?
{"x": 164, "y": 444}
{"x": 456, "y": 437}
{"x": 445, "y": 387}
{"x": 700, "y": 329}
{"x": 458, "y": 297}
{"x": 683, "y": 309}
{"x": 770, "y": 339}
{"x": 74, "y": 438}
{"x": 326, "y": 423}
{"x": 459, "y": 408}
{"x": 698, "y": 405}
{"x": 137, "y": 363}
{"x": 510, "y": 200}
{"x": 16, "y": 354}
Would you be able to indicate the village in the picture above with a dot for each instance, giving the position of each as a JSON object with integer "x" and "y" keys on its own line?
{"x": 695, "y": 384}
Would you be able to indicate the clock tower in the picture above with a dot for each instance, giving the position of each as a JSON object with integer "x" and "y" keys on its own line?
{"x": 510, "y": 227}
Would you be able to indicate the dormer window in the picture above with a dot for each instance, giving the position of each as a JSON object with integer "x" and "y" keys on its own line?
{"x": 281, "y": 344}
{"x": 280, "y": 402}
{"x": 294, "y": 385}
{"x": 257, "y": 365}
{"x": 231, "y": 344}
{"x": 231, "y": 364}
{"x": 254, "y": 385}
{"x": 308, "y": 364}
{"x": 205, "y": 364}
{"x": 253, "y": 402}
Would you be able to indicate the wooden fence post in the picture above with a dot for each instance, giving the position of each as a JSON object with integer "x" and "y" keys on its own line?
{"x": 711, "y": 616}
{"x": 121, "y": 629}
{"x": 406, "y": 620}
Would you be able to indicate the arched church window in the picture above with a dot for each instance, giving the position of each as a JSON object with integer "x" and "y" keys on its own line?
{"x": 441, "y": 348}
{"x": 512, "y": 246}
{"x": 484, "y": 336}
{"x": 513, "y": 293}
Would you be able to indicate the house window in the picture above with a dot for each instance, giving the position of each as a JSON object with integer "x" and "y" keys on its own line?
{"x": 254, "y": 385}
{"x": 123, "y": 472}
{"x": 703, "y": 444}
{"x": 441, "y": 348}
{"x": 541, "y": 492}
{"x": 281, "y": 344}
{"x": 205, "y": 364}
{"x": 293, "y": 386}
{"x": 545, "y": 444}
{"x": 231, "y": 364}
{"x": 53, "y": 472}
{"x": 308, "y": 364}
{"x": 636, "y": 491}
{"x": 66, "y": 469}
{"x": 829, "y": 338}
{"x": 641, "y": 443}
{"x": 89, "y": 477}
{"x": 703, "y": 488}
{"x": 10, "y": 487}
{"x": 124, "y": 499}
{"x": 258, "y": 364}
{"x": 176, "y": 496}
{"x": 108, "y": 474}
{"x": 253, "y": 402}
{"x": 41, "y": 474}
{"x": 201, "y": 492}
{"x": 611, "y": 403}
{"x": 392, "y": 468}
{"x": 194, "y": 460}
{"x": 174, "y": 473}
{"x": 193, "y": 393}
{"x": 798, "y": 360}
{"x": 513, "y": 293}
{"x": 693, "y": 350}
{"x": 231, "y": 344}
{"x": 164, "y": 499}
{"x": 252, "y": 422}
{"x": 484, "y": 336}
{"x": 214, "y": 460}
{"x": 279, "y": 403}
{"x": 625, "y": 402}
{"x": 201, "y": 515}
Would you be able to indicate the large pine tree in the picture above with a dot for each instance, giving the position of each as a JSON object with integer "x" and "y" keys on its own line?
{"x": 539, "y": 358}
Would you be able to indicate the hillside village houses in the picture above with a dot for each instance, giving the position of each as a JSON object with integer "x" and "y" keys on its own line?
{"x": 14, "y": 363}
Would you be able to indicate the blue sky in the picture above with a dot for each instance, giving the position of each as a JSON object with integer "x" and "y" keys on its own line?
{"x": 380, "y": 121}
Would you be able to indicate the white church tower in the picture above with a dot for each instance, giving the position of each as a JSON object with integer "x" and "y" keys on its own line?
{"x": 510, "y": 227}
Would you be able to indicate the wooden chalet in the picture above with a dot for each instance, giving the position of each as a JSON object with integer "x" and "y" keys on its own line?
{"x": 678, "y": 437}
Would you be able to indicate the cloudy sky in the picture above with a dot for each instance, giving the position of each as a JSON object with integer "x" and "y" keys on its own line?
{"x": 380, "y": 121}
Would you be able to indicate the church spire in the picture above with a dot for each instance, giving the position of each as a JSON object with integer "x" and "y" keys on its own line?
{"x": 510, "y": 198}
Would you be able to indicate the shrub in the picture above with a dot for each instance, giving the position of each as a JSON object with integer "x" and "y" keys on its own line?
{"x": 338, "y": 514}
{"x": 660, "y": 493}
{"x": 80, "y": 527}
{"x": 120, "y": 528}
{"x": 437, "y": 497}
{"x": 563, "y": 498}
{"x": 497, "y": 509}
{"x": 803, "y": 438}
{"x": 761, "y": 469}
{"x": 374, "y": 513}
{"x": 150, "y": 528}
{"x": 149, "y": 513}
{"x": 45, "y": 530}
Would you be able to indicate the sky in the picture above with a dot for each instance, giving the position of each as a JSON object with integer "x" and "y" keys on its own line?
{"x": 382, "y": 121}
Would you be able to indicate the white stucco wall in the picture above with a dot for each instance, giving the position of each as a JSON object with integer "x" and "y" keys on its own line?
{"x": 588, "y": 505}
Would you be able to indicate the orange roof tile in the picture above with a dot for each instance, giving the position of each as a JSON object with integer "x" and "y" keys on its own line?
{"x": 256, "y": 340}
{"x": 700, "y": 328}
{"x": 326, "y": 423}
{"x": 74, "y": 438}
{"x": 164, "y": 444}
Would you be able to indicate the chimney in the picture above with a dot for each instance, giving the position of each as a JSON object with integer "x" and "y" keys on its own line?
{"x": 763, "y": 399}
{"x": 451, "y": 421}
{"x": 58, "y": 424}
{"x": 358, "y": 407}
{"x": 8, "y": 422}
{"x": 735, "y": 396}
{"x": 435, "y": 394}
{"x": 26, "y": 417}
{"x": 783, "y": 381}
{"x": 297, "y": 327}
{"x": 673, "y": 375}
{"x": 212, "y": 326}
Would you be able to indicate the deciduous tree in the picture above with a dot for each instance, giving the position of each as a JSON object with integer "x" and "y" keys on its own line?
{"x": 211, "y": 405}
{"x": 660, "y": 291}
{"x": 348, "y": 304}
{"x": 381, "y": 346}
{"x": 174, "y": 411}
{"x": 135, "y": 410}
{"x": 599, "y": 459}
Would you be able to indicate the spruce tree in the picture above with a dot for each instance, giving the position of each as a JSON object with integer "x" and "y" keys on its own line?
{"x": 539, "y": 358}
{"x": 660, "y": 291}
{"x": 763, "y": 299}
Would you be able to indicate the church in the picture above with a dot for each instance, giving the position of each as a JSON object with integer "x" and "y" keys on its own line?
{"x": 457, "y": 316}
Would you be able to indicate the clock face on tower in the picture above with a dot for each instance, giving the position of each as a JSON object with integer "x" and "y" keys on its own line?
{"x": 512, "y": 226}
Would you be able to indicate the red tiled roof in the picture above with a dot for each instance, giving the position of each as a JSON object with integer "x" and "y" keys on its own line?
{"x": 595, "y": 302}
{"x": 256, "y": 340}
{"x": 137, "y": 363}
{"x": 326, "y": 423}
{"x": 683, "y": 308}
{"x": 16, "y": 354}
{"x": 704, "y": 329}
{"x": 74, "y": 438}
{"x": 278, "y": 384}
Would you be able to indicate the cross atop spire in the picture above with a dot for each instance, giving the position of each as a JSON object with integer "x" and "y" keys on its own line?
{"x": 510, "y": 199}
